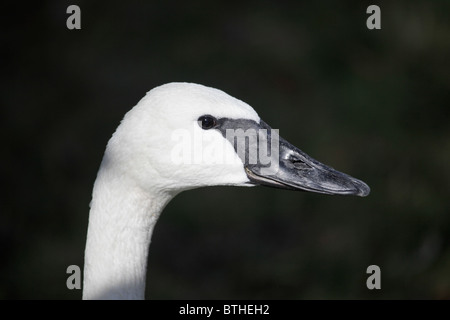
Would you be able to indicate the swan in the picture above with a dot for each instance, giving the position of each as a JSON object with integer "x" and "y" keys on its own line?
{"x": 181, "y": 136}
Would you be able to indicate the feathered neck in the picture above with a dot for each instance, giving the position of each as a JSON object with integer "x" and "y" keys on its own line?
{"x": 121, "y": 222}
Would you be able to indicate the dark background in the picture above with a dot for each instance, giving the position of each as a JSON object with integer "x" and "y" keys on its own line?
{"x": 374, "y": 104}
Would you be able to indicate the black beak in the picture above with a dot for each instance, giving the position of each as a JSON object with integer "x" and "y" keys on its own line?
{"x": 280, "y": 164}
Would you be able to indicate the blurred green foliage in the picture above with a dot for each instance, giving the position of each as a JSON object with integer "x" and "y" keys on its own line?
{"x": 374, "y": 104}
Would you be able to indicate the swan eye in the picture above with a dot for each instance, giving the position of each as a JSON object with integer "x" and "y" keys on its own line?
{"x": 207, "y": 122}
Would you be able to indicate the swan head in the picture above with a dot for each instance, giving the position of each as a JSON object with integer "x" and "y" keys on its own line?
{"x": 182, "y": 136}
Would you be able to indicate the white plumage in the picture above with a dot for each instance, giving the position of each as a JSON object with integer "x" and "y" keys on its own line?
{"x": 141, "y": 172}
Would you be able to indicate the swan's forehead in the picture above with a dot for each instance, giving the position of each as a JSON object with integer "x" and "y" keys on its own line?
{"x": 186, "y": 101}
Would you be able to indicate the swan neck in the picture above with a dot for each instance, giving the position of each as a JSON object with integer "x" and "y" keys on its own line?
{"x": 121, "y": 222}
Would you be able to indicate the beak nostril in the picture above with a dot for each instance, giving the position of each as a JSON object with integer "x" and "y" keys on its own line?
{"x": 298, "y": 163}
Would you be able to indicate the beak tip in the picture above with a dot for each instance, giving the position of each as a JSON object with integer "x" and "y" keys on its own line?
{"x": 363, "y": 189}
